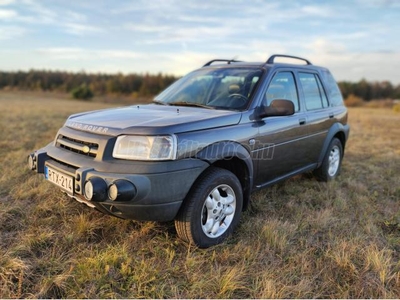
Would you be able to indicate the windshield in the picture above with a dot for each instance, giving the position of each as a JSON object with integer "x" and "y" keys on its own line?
{"x": 225, "y": 88}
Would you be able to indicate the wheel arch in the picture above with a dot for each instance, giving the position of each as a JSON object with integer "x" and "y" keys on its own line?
{"x": 235, "y": 158}
{"x": 338, "y": 131}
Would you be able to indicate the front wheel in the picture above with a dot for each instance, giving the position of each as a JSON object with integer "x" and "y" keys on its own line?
{"x": 331, "y": 164}
{"x": 211, "y": 210}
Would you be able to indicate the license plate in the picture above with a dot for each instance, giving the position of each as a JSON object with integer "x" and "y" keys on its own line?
{"x": 62, "y": 180}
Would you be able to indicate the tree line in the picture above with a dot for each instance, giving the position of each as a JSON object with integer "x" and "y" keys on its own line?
{"x": 146, "y": 85}
{"x": 141, "y": 85}
{"x": 367, "y": 91}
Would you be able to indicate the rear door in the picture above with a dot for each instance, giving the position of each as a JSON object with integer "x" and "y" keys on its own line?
{"x": 320, "y": 116}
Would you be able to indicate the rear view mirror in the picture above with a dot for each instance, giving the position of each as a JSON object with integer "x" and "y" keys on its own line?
{"x": 278, "y": 107}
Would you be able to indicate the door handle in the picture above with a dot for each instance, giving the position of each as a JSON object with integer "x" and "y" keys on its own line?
{"x": 331, "y": 115}
{"x": 302, "y": 121}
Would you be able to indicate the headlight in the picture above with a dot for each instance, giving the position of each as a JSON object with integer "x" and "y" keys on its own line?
{"x": 135, "y": 147}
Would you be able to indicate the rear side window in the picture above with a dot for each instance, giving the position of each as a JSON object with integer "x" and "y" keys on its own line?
{"x": 282, "y": 86}
{"x": 314, "y": 94}
{"x": 334, "y": 94}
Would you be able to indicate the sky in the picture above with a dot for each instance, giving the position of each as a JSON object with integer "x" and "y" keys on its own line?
{"x": 355, "y": 39}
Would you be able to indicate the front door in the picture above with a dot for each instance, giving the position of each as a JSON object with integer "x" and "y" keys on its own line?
{"x": 281, "y": 144}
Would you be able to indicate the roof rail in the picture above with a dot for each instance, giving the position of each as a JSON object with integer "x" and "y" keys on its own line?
{"x": 228, "y": 61}
{"x": 271, "y": 59}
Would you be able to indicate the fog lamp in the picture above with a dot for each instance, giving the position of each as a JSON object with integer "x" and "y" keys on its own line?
{"x": 121, "y": 190}
{"x": 95, "y": 189}
{"x": 32, "y": 161}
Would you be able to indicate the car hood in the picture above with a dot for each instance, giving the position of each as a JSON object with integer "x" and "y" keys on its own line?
{"x": 152, "y": 119}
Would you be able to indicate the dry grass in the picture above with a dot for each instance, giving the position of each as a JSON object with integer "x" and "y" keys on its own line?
{"x": 382, "y": 103}
{"x": 354, "y": 101}
{"x": 300, "y": 238}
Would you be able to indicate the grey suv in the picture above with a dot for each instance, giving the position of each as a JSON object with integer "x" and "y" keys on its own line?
{"x": 206, "y": 143}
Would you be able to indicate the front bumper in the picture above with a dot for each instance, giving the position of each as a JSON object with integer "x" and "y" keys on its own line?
{"x": 159, "y": 188}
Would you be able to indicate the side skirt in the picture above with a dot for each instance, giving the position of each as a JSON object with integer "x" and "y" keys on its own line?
{"x": 286, "y": 176}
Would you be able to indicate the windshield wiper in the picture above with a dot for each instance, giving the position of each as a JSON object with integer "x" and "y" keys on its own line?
{"x": 183, "y": 103}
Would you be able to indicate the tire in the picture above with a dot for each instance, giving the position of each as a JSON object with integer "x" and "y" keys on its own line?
{"x": 332, "y": 162}
{"x": 211, "y": 210}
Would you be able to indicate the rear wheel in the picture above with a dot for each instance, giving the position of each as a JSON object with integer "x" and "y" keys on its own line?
{"x": 211, "y": 210}
{"x": 331, "y": 164}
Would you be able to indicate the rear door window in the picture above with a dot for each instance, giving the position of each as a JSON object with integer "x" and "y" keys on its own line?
{"x": 314, "y": 94}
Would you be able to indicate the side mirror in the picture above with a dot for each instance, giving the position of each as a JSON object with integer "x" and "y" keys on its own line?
{"x": 278, "y": 107}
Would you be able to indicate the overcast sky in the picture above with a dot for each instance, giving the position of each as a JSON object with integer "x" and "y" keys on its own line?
{"x": 354, "y": 38}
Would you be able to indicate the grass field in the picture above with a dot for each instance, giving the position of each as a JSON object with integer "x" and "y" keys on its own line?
{"x": 300, "y": 238}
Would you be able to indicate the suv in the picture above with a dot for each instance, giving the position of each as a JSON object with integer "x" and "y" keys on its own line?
{"x": 205, "y": 143}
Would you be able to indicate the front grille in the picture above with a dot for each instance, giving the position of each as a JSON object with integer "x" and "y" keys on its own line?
{"x": 65, "y": 164}
{"x": 77, "y": 146}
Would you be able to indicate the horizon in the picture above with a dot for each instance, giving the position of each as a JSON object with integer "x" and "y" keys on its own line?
{"x": 162, "y": 74}
{"x": 354, "y": 39}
